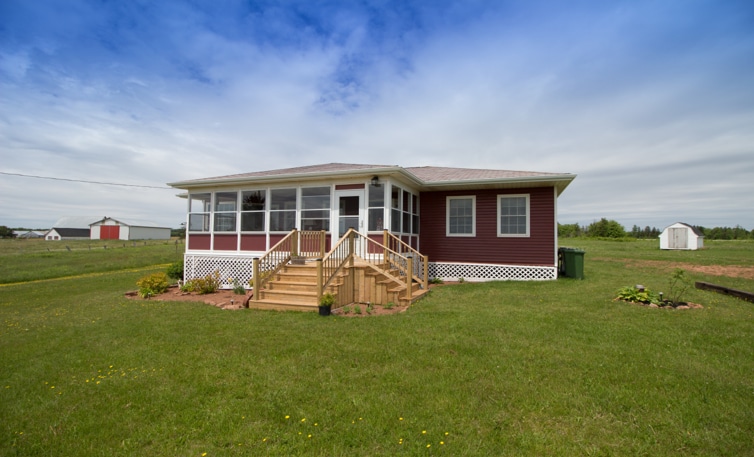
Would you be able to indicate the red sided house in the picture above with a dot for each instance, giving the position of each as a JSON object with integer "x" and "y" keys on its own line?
{"x": 356, "y": 226}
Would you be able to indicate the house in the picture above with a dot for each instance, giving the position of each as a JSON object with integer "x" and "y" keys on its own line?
{"x": 109, "y": 228}
{"x": 681, "y": 236}
{"x": 70, "y": 228}
{"x": 475, "y": 224}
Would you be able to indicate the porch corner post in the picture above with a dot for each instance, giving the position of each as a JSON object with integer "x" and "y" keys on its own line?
{"x": 322, "y": 242}
{"x": 255, "y": 288}
{"x": 409, "y": 276}
{"x": 319, "y": 280}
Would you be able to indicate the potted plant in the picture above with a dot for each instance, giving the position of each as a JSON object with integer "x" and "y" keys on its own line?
{"x": 325, "y": 304}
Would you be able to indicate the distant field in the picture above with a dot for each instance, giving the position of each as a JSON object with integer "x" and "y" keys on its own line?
{"x": 27, "y": 260}
{"x": 503, "y": 369}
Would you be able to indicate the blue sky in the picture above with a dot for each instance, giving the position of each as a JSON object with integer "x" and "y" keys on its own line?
{"x": 650, "y": 103}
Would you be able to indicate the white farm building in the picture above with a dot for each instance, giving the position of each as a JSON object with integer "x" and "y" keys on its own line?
{"x": 681, "y": 236}
{"x": 109, "y": 228}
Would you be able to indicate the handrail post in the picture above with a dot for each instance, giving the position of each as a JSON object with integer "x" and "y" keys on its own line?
{"x": 409, "y": 276}
{"x": 255, "y": 279}
{"x": 294, "y": 243}
{"x": 385, "y": 240}
{"x": 320, "y": 292}
{"x": 322, "y": 242}
{"x": 425, "y": 283}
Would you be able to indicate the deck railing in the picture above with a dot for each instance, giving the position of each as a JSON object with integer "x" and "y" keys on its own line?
{"x": 411, "y": 267}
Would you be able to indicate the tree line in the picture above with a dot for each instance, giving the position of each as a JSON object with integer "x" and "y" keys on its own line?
{"x": 607, "y": 228}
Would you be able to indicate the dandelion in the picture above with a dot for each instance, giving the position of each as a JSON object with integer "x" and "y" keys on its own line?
{"x": 442, "y": 443}
{"x": 303, "y": 420}
{"x": 287, "y": 417}
{"x": 309, "y": 436}
{"x": 400, "y": 418}
{"x": 429, "y": 446}
{"x": 424, "y": 432}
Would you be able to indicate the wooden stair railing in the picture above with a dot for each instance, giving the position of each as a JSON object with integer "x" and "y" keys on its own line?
{"x": 333, "y": 262}
{"x": 420, "y": 270}
{"x": 294, "y": 244}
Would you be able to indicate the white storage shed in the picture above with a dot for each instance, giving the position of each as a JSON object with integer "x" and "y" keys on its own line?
{"x": 118, "y": 229}
{"x": 681, "y": 236}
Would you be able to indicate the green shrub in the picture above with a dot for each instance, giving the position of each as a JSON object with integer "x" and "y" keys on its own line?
{"x": 153, "y": 284}
{"x": 175, "y": 270}
{"x": 208, "y": 284}
{"x": 632, "y": 294}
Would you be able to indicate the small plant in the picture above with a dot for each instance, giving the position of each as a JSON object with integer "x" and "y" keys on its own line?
{"x": 175, "y": 270}
{"x": 327, "y": 299}
{"x": 238, "y": 288}
{"x": 679, "y": 283}
{"x": 436, "y": 281}
{"x": 461, "y": 280}
{"x": 632, "y": 294}
{"x": 356, "y": 309}
{"x": 389, "y": 305}
{"x": 187, "y": 286}
{"x": 370, "y": 308}
{"x": 153, "y": 284}
{"x": 347, "y": 309}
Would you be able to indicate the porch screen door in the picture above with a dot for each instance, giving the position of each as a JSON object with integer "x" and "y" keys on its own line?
{"x": 350, "y": 212}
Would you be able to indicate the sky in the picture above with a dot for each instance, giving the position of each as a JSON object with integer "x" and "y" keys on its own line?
{"x": 649, "y": 103}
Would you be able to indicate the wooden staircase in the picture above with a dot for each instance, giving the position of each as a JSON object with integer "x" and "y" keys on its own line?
{"x": 294, "y": 288}
{"x": 363, "y": 272}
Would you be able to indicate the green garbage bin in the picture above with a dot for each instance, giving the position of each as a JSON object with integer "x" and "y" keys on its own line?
{"x": 572, "y": 262}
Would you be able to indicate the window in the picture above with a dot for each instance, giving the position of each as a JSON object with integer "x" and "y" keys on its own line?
{"x": 406, "y": 226}
{"x": 461, "y": 216}
{"x": 225, "y": 211}
{"x": 252, "y": 210}
{"x": 282, "y": 210}
{"x": 315, "y": 208}
{"x": 376, "y": 207}
{"x": 199, "y": 209}
{"x": 513, "y": 215}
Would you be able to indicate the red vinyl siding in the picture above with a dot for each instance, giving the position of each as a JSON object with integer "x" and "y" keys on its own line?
{"x": 254, "y": 243}
{"x": 226, "y": 242}
{"x": 486, "y": 246}
{"x": 199, "y": 242}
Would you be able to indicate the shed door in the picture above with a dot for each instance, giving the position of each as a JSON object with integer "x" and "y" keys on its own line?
{"x": 678, "y": 238}
{"x": 109, "y": 232}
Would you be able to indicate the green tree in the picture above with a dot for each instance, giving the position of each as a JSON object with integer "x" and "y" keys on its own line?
{"x": 5, "y": 232}
{"x": 606, "y": 229}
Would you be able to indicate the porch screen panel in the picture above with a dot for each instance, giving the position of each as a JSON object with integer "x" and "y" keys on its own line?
{"x": 282, "y": 210}
{"x": 199, "y": 210}
{"x": 376, "y": 207}
{"x": 315, "y": 208}
{"x": 252, "y": 210}
{"x": 225, "y": 211}
{"x": 395, "y": 209}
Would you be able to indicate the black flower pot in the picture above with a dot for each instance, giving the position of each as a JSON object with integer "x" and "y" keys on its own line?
{"x": 324, "y": 310}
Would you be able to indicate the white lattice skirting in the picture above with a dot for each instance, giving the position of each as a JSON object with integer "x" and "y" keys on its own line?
{"x": 240, "y": 268}
{"x": 486, "y": 272}
{"x": 230, "y": 268}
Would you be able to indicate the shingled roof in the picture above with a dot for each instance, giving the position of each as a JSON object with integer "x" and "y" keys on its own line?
{"x": 429, "y": 177}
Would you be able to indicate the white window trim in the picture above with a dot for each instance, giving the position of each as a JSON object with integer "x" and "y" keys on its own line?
{"x": 473, "y": 215}
{"x": 528, "y": 216}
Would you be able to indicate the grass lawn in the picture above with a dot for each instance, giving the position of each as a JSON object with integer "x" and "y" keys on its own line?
{"x": 504, "y": 368}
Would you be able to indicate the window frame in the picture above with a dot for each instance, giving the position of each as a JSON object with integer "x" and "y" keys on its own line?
{"x": 527, "y": 198}
{"x": 450, "y": 198}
